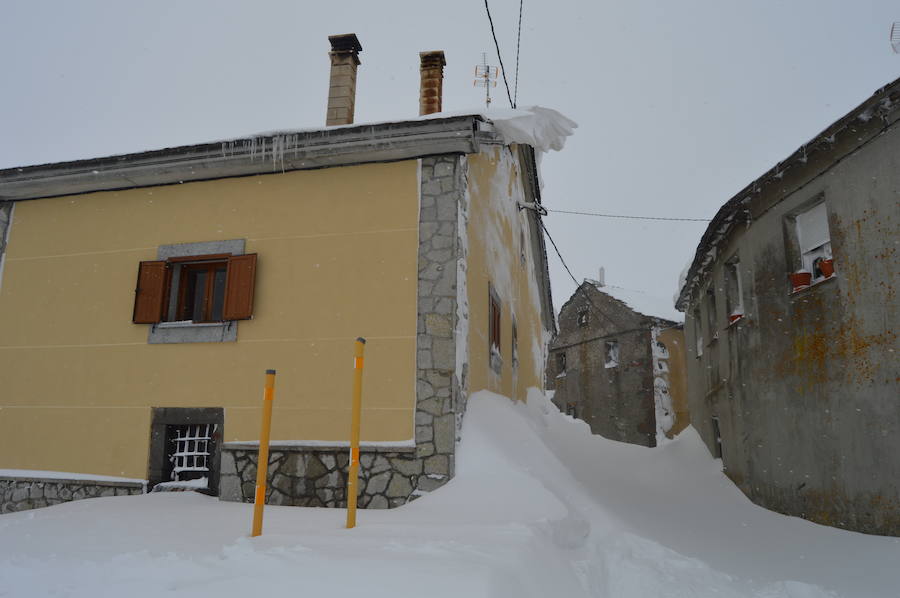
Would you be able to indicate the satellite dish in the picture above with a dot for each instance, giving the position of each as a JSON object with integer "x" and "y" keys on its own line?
{"x": 895, "y": 37}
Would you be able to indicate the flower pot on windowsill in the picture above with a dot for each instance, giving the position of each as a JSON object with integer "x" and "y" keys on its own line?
{"x": 826, "y": 267}
{"x": 800, "y": 280}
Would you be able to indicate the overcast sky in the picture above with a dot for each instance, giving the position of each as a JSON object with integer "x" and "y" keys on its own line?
{"x": 679, "y": 104}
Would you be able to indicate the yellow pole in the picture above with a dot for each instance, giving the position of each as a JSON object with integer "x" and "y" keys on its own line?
{"x": 262, "y": 464}
{"x": 353, "y": 475}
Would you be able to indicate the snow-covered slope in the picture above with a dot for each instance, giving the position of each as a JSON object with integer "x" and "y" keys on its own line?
{"x": 539, "y": 508}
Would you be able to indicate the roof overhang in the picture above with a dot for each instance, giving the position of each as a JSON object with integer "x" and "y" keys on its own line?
{"x": 259, "y": 154}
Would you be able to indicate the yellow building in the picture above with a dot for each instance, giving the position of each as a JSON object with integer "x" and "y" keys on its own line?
{"x": 143, "y": 296}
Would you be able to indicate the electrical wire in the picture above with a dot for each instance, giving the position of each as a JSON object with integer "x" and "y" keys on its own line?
{"x": 577, "y": 284}
{"x": 518, "y": 45}
{"x": 629, "y": 217}
{"x": 500, "y": 58}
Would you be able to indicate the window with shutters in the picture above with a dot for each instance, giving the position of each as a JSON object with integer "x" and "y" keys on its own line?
{"x": 195, "y": 297}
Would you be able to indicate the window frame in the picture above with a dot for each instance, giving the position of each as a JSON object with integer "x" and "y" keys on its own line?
{"x": 160, "y": 303}
{"x": 611, "y": 354}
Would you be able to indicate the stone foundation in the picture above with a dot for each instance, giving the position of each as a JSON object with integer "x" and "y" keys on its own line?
{"x": 24, "y": 493}
{"x": 315, "y": 476}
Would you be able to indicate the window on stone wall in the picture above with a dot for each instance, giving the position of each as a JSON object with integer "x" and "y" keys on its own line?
{"x": 698, "y": 332}
{"x": 717, "y": 438}
{"x": 515, "y": 344}
{"x": 734, "y": 295}
{"x": 571, "y": 409}
{"x": 560, "y": 364}
{"x": 583, "y": 317}
{"x": 814, "y": 241}
{"x": 612, "y": 354}
{"x": 711, "y": 314}
{"x": 494, "y": 320}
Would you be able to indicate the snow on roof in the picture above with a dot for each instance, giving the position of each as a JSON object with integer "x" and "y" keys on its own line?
{"x": 643, "y": 302}
{"x": 544, "y": 129}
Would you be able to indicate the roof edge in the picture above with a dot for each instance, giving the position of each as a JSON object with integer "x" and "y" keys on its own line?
{"x": 875, "y": 108}
{"x": 258, "y": 154}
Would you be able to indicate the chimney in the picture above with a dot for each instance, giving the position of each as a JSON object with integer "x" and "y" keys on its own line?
{"x": 344, "y": 57}
{"x": 601, "y": 280}
{"x": 431, "y": 90}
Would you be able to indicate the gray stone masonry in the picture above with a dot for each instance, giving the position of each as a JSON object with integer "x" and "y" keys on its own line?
{"x": 24, "y": 493}
{"x": 317, "y": 476}
{"x": 389, "y": 476}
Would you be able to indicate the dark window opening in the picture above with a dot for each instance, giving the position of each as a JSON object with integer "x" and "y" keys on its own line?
{"x": 202, "y": 296}
{"x": 494, "y": 315}
{"x": 612, "y": 354}
{"x": 717, "y": 438}
{"x": 561, "y": 363}
{"x": 571, "y": 409}
{"x": 583, "y": 317}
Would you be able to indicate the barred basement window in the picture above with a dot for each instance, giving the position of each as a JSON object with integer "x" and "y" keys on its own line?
{"x": 190, "y": 454}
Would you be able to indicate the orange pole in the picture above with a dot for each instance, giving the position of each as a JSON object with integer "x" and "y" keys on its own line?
{"x": 353, "y": 474}
{"x": 262, "y": 464}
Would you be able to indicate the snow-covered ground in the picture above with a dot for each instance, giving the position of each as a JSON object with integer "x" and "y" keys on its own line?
{"x": 539, "y": 508}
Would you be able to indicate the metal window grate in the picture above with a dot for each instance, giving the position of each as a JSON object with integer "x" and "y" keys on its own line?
{"x": 191, "y": 451}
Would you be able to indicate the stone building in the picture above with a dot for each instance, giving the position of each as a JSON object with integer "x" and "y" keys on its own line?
{"x": 791, "y": 310}
{"x": 274, "y": 251}
{"x": 618, "y": 364}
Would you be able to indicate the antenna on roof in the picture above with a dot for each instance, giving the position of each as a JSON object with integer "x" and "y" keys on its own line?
{"x": 486, "y": 76}
{"x": 895, "y": 37}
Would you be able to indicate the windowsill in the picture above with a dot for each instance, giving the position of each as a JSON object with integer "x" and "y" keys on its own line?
{"x": 735, "y": 321}
{"x": 189, "y": 324}
{"x": 812, "y": 285}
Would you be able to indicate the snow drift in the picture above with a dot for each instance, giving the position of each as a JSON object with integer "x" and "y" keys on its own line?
{"x": 539, "y": 508}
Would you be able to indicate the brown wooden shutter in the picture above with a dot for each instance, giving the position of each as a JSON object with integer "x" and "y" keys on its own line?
{"x": 150, "y": 294}
{"x": 239, "y": 287}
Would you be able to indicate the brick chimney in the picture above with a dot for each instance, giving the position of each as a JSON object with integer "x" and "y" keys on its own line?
{"x": 431, "y": 90}
{"x": 344, "y": 57}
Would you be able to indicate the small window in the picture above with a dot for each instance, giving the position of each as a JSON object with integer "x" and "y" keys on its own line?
{"x": 734, "y": 290}
{"x": 494, "y": 319}
{"x": 717, "y": 438}
{"x": 202, "y": 291}
{"x": 522, "y": 256}
{"x": 814, "y": 242}
{"x": 560, "y": 364}
{"x": 698, "y": 332}
{"x": 711, "y": 315}
{"x": 515, "y": 344}
{"x": 571, "y": 409}
{"x": 612, "y": 354}
{"x": 190, "y": 451}
{"x": 583, "y": 317}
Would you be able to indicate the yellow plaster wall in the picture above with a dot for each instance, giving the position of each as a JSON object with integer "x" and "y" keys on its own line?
{"x": 337, "y": 259}
{"x": 673, "y": 339}
{"x": 494, "y": 240}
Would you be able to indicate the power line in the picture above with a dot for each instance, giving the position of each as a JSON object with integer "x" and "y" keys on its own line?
{"x": 577, "y": 284}
{"x": 500, "y": 58}
{"x": 518, "y": 45}
{"x": 629, "y": 217}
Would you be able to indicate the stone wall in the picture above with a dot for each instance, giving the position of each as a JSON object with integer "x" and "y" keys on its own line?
{"x": 391, "y": 476}
{"x": 24, "y": 493}
{"x": 315, "y": 476}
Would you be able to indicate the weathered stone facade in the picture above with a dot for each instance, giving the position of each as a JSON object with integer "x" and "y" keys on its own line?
{"x": 795, "y": 388}
{"x": 24, "y": 493}
{"x": 392, "y": 476}
{"x": 614, "y": 395}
